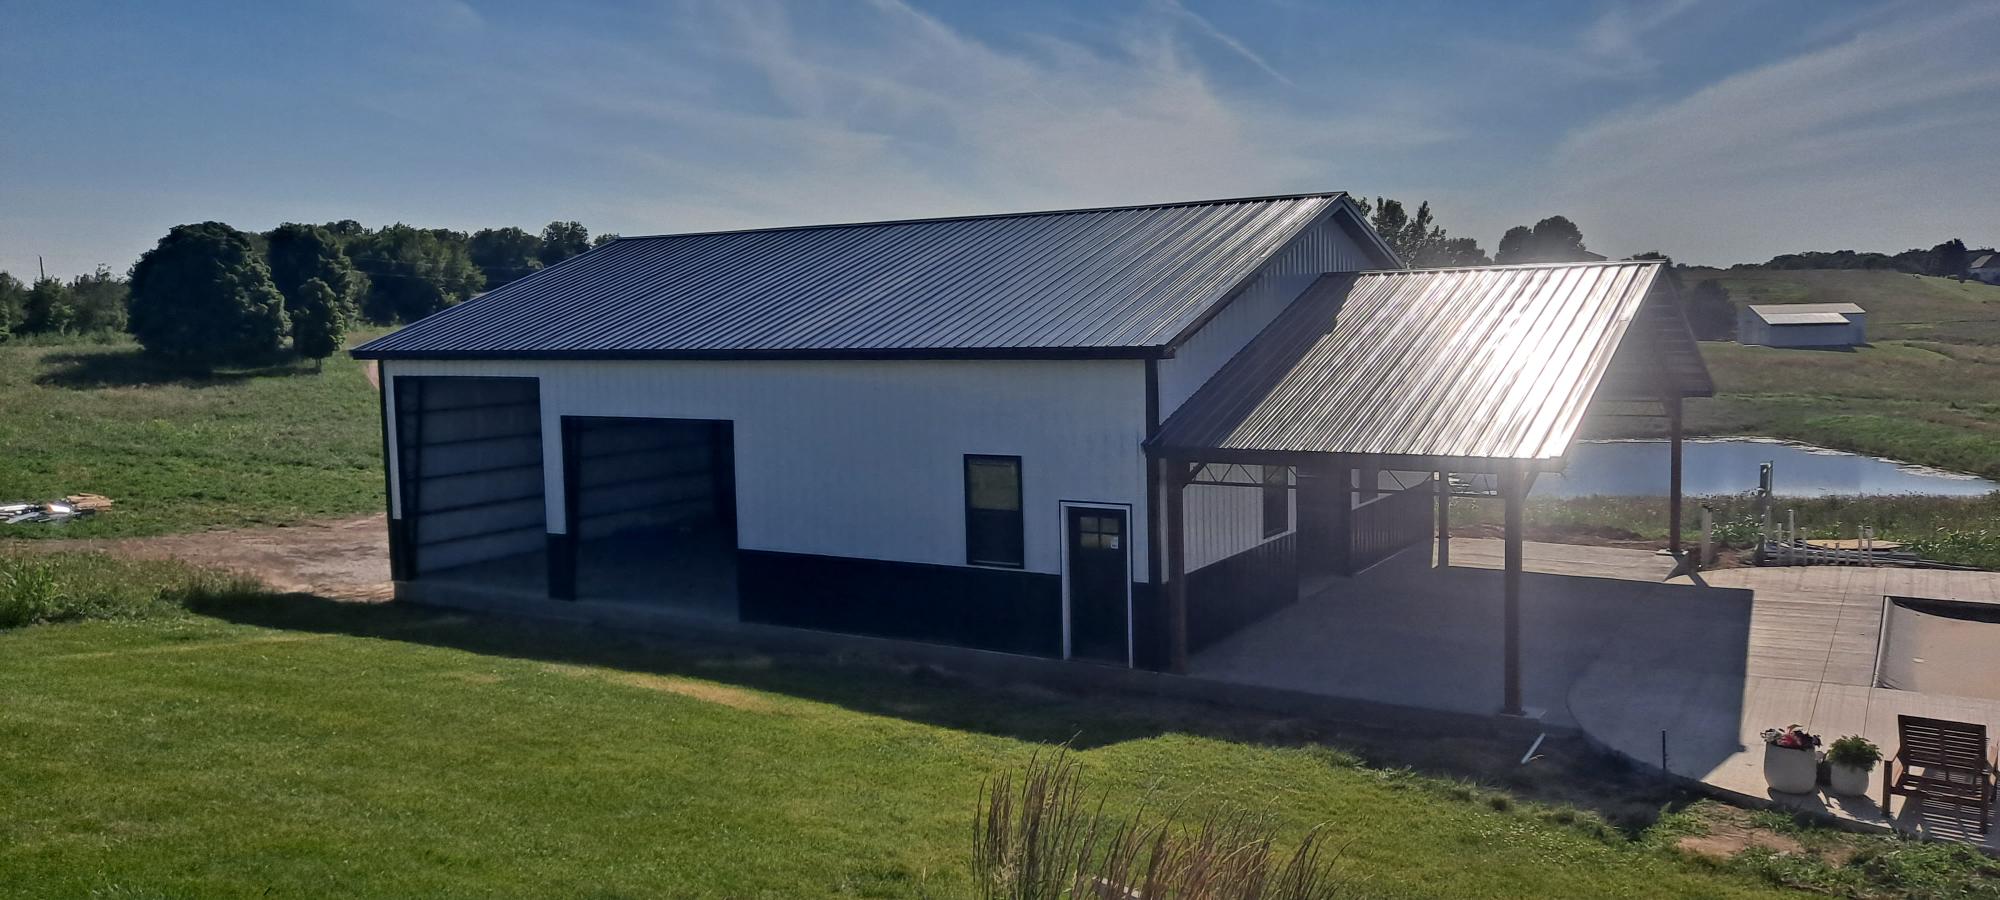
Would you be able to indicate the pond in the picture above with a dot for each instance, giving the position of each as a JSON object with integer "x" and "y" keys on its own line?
{"x": 1729, "y": 466}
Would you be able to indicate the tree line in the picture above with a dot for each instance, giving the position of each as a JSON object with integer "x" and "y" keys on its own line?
{"x": 1946, "y": 260}
{"x": 208, "y": 294}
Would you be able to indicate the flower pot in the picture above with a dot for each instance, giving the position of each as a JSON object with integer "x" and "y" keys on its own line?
{"x": 1848, "y": 780}
{"x": 1790, "y": 770}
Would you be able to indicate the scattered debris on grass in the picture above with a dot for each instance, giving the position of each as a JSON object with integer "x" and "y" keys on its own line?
{"x": 19, "y": 512}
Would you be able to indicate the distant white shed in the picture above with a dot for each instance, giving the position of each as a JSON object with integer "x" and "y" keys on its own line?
{"x": 1802, "y": 325}
{"x": 1985, "y": 268}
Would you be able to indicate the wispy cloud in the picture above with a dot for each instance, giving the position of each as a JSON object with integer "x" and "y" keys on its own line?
{"x": 895, "y": 112}
{"x": 1882, "y": 132}
{"x": 1206, "y": 28}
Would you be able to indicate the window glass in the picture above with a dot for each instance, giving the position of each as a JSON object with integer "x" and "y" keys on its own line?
{"x": 993, "y": 523}
{"x": 993, "y": 483}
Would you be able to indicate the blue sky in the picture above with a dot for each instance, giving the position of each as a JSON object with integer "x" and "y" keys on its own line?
{"x": 1715, "y": 130}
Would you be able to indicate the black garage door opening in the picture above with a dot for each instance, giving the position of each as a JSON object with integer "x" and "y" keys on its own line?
{"x": 652, "y": 511}
{"x": 469, "y": 478}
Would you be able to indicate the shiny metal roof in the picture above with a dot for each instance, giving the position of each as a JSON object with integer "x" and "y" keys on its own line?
{"x": 1495, "y": 362}
{"x": 1122, "y": 281}
{"x": 1805, "y": 313}
{"x": 1810, "y": 318}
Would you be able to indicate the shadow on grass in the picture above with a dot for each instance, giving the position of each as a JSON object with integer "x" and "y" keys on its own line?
{"x": 1565, "y": 771}
{"x": 135, "y": 368}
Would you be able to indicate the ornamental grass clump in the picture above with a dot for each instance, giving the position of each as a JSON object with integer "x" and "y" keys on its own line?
{"x": 1039, "y": 840}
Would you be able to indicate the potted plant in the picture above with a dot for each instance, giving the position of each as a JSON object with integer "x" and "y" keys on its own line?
{"x": 1849, "y": 762}
{"x": 1791, "y": 762}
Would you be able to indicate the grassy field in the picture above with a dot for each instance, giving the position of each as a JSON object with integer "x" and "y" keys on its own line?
{"x": 1927, "y": 390}
{"x": 292, "y": 747}
{"x": 1958, "y": 530}
{"x": 232, "y": 449}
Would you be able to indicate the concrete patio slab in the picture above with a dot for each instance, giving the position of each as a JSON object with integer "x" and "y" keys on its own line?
{"x": 1643, "y": 664}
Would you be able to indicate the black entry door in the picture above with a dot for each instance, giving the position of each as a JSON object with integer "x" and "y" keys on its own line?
{"x": 1098, "y": 583}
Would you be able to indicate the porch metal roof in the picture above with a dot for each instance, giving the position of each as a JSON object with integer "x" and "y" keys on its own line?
{"x": 1495, "y": 362}
{"x": 1122, "y": 281}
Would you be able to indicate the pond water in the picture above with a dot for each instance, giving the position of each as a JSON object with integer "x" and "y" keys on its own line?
{"x": 1729, "y": 466}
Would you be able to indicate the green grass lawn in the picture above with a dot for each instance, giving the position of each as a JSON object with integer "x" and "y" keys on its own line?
{"x": 232, "y": 449}
{"x": 1927, "y": 390}
{"x": 294, "y": 747}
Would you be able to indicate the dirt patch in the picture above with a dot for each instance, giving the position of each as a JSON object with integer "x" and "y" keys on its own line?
{"x": 1725, "y": 840}
{"x": 721, "y": 695}
{"x": 344, "y": 559}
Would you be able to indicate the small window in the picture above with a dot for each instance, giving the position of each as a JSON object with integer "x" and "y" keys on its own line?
{"x": 1277, "y": 500}
{"x": 993, "y": 523}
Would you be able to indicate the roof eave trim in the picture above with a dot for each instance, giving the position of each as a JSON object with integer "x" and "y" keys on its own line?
{"x": 934, "y": 353}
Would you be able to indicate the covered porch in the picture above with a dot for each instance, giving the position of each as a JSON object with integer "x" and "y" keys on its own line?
{"x": 1374, "y": 400}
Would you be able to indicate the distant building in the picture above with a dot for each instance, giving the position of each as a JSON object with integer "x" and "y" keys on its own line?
{"x": 1985, "y": 268}
{"x": 1802, "y": 325}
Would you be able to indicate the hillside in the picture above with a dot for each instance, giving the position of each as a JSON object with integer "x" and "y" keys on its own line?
{"x": 1927, "y": 389}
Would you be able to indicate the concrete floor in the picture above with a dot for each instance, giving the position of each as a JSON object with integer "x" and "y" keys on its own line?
{"x": 1407, "y": 633}
{"x": 1611, "y": 647}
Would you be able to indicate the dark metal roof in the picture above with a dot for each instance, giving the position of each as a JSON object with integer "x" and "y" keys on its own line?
{"x": 1495, "y": 362}
{"x": 1122, "y": 281}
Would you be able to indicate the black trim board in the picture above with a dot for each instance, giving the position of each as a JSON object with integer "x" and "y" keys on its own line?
{"x": 990, "y": 609}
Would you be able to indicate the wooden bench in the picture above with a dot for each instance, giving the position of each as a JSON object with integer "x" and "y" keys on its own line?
{"x": 1944, "y": 762}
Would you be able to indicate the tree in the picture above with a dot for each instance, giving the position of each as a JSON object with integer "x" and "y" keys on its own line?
{"x": 1452, "y": 253}
{"x": 1417, "y": 239}
{"x": 299, "y": 254}
{"x": 414, "y": 272}
{"x": 319, "y": 322}
{"x": 1949, "y": 259}
{"x": 204, "y": 297}
{"x": 603, "y": 239}
{"x": 49, "y": 309}
{"x": 1516, "y": 246}
{"x": 99, "y": 300}
{"x": 504, "y": 254}
{"x": 13, "y": 302}
{"x": 1554, "y": 239}
{"x": 1710, "y": 313}
{"x": 562, "y": 240}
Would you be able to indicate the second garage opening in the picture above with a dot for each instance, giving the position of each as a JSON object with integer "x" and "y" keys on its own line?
{"x": 651, "y": 508}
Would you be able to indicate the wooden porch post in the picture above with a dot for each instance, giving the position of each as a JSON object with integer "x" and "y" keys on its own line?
{"x": 1513, "y": 491}
{"x": 1673, "y": 404}
{"x": 1174, "y": 480}
{"x": 1444, "y": 519}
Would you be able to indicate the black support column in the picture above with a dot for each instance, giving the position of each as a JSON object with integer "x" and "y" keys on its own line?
{"x": 1444, "y": 520}
{"x": 1513, "y": 491}
{"x": 1174, "y": 479}
{"x": 1673, "y": 404}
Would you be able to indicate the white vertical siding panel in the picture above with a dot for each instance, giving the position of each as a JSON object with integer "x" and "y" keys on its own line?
{"x": 865, "y": 458}
{"x": 1223, "y": 520}
{"x": 1319, "y": 249}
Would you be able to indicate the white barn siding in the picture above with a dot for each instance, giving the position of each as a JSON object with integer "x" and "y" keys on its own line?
{"x": 1224, "y": 520}
{"x": 866, "y": 458}
{"x": 1321, "y": 248}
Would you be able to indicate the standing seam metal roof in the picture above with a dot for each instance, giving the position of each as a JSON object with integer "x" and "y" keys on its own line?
{"x": 1088, "y": 281}
{"x": 1491, "y": 362}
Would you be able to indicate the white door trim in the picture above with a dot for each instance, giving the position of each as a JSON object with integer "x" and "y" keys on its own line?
{"x": 1062, "y": 530}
